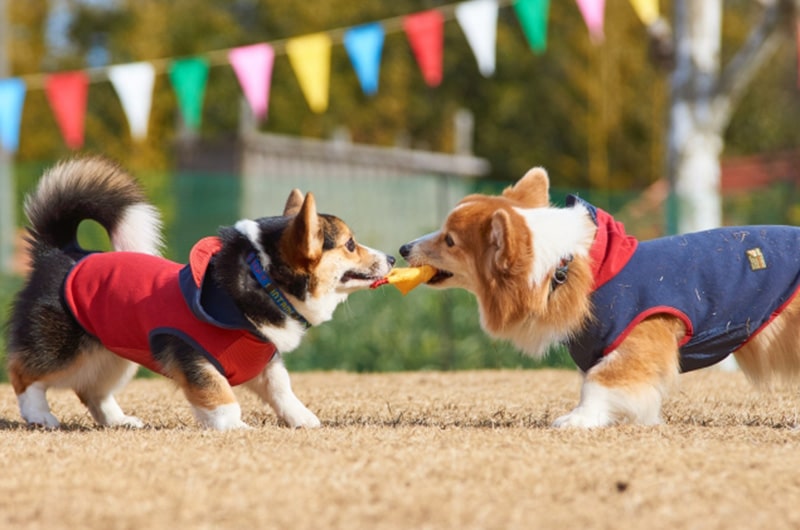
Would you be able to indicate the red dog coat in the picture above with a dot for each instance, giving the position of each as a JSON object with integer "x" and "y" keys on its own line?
{"x": 128, "y": 300}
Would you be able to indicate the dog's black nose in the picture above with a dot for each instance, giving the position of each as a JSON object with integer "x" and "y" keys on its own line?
{"x": 391, "y": 260}
{"x": 405, "y": 250}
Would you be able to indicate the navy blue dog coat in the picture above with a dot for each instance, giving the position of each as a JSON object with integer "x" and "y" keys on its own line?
{"x": 725, "y": 284}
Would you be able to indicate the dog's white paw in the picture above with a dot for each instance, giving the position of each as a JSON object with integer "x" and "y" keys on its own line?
{"x": 127, "y": 421}
{"x": 582, "y": 419}
{"x": 223, "y": 418}
{"x": 601, "y": 406}
{"x": 34, "y": 409}
{"x": 235, "y": 426}
{"x": 44, "y": 419}
{"x": 300, "y": 417}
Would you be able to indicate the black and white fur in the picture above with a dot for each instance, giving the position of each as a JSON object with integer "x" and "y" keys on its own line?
{"x": 311, "y": 257}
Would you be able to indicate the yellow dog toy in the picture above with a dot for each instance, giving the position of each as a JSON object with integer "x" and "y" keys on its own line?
{"x": 406, "y": 279}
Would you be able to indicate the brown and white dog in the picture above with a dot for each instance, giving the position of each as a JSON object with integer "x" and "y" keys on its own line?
{"x": 84, "y": 320}
{"x": 632, "y": 314}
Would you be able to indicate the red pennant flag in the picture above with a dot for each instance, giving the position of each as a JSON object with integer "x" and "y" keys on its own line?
{"x": 67, "y": 94}
{"x": 425, "y": 33}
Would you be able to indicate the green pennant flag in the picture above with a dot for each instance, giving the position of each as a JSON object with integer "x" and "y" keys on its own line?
{"x": 532, "y": 15}
{"x": 188, "y": 77}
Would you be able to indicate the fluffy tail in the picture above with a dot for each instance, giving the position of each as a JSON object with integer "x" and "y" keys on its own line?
{"x": 98, "y": 189}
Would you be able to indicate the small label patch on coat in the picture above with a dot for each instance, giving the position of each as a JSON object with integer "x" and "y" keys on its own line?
{"x": 756, "y": 259}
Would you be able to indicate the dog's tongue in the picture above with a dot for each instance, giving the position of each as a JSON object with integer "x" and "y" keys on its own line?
{"x": 406, "y": 279}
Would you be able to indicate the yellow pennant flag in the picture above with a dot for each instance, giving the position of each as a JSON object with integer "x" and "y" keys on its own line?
{"x": 647, "y": 10}
{"x": 310, "y": 57}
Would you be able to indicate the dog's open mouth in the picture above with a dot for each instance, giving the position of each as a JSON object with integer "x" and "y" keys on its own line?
{"x": 355, "y": 275}
{"x": 440, "y": 276}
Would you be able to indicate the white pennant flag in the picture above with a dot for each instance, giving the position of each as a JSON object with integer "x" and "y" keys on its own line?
{"x": 478, "y": 20}
{"x": 134, "y": 85}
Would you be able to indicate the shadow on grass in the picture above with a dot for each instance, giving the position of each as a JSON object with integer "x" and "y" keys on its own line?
{"x": 13, "y": 425}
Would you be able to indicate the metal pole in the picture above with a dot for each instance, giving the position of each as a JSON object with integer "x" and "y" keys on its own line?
{"x": 8, "y": 218}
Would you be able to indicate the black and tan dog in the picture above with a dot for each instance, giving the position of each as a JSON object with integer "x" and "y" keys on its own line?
{"x": 84, "y": 320}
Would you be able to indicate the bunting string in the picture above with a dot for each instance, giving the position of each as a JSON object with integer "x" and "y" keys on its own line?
{"x": 219, "y": 57}
{"x": 309, "y": 55}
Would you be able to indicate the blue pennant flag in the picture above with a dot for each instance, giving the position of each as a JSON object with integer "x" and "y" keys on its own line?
{"x": 364, "y": 45}
{"x": 12, "y": 96}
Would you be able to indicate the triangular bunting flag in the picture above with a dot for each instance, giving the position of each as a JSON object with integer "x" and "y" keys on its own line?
{"x": 310, "y": 57}
{"x": 533, "y": 15}
{"x": 189, "y": 77}
{"x": 364, "y": 45}
{"x": 647, "y": 10}
{"x": 478, "y": 20}
{"x": 134, "y": 85}
{"x": 253, "y": 67}
{"x": 425, "y": 33}
{"x": 12, "y": 96}
{"x": 68, "y": 93}
{"x": 593, "y": 12}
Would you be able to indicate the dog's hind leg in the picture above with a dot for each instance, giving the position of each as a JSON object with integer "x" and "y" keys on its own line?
{"x": 34, "y": 408}
{"x": 31, "y": 393}
{"x": 628, "y": 384}
{"x": 102, "y": 374}
{"x": 94, "y": 374}
{"x": 773, "y": 354}
{"x": 274, "y": 387}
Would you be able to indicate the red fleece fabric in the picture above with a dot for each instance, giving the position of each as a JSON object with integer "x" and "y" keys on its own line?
{"x": 126, "y": 299}
{"x": 611, "y": 250}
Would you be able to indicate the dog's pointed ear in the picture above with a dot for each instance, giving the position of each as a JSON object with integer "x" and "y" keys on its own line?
{"x": 502, "y": 241}
{"x": 293, "y": 203}
{"x": 532, "y": 190}
{"x": 306, "y": 230}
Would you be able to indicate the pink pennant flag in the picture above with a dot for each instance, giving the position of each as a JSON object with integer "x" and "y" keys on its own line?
{"x": 253, "y": 67}
{"x": 593, "y": 13}
{"x": 67, "y": 94}
{"x": 425, "y": 33}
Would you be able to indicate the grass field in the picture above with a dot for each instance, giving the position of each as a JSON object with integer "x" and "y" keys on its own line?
{"x": 412, "y": 450}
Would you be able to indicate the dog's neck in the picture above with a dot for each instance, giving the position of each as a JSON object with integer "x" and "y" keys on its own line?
{"x": 274, "y": 292}
{"x": 557, "y": 233}
{"x": 611, "y": 247}
{"x": 559, "y": 285}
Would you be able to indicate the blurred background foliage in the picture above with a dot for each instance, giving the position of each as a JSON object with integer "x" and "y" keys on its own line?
{"x": 594, "y": 115}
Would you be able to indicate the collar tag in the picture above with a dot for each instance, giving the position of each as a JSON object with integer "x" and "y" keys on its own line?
{"x": 560, "y": 274}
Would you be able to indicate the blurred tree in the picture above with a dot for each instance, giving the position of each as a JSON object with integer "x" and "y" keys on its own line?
{"x": 573, "y": 109}
{"x": 39, "y": 136}
{"x": 593, "y": 114}
{"x": 704, "y": 95}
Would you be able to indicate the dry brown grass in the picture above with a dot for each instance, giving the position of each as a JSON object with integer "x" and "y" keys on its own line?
{"x": 412, "y": 450}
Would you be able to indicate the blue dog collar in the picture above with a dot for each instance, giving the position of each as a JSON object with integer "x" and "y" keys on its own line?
{"x": 277, "y": 296}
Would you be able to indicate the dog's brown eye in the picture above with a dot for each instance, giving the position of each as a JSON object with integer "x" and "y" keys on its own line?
{"x": 448, "y": 239}
{"x": 350, "y": 245}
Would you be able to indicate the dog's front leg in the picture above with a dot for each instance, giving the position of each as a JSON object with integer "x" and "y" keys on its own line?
{"x": 273, "y": 386}
{"x": 213, "y": 402}
{"x": 628, "y": 385}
